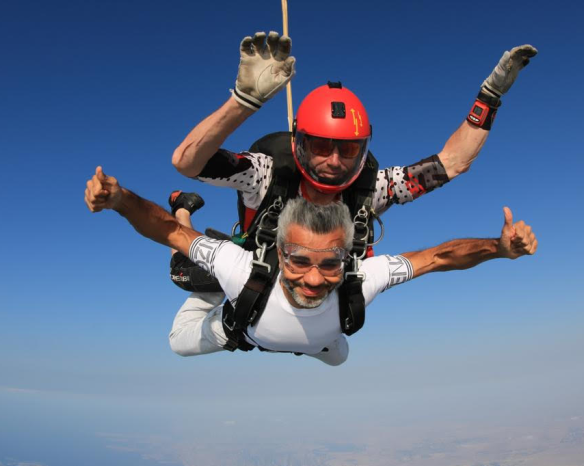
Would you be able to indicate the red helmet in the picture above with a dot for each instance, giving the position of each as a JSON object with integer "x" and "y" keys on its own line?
{"x": 331, "y": 117}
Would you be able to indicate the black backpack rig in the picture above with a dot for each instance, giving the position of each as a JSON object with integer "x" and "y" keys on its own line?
{"x": 261, "y": 237}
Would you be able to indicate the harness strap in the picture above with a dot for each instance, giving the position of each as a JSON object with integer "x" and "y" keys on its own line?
{"x": 234, "y": 340}
{"x": 250, "y": 303}
{"x": 359, "y": 198}
{"x": 351, "y": 305}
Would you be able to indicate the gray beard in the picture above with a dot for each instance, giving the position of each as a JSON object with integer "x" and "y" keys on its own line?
{"x": 301, "y": 300}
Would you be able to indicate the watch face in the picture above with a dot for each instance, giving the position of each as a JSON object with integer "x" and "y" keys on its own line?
{"x": 477, "y": 110}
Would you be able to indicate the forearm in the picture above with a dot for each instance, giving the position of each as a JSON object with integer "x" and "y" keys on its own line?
{"x": 458, "y": 254}
{"x": 155, "y": 223}
{"x": 191, "y": 156}
{"x": 462, "y": 148}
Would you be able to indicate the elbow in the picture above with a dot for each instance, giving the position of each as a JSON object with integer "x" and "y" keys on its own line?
{"x": 185, "y": 163}
{"x": 178, "y": 160}
{"x": 178, "y": 348}
{"x": 456, "y": 163}
{"x": 453, "y": 172}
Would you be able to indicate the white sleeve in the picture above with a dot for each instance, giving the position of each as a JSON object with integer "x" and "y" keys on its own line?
{"x": 226, "y": 261}
{"x": 383, "y": 272}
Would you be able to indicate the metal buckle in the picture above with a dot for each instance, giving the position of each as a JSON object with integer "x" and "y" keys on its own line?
{"x": 361, "y": 221}
{"x": 348, "y": 323}
{"x": 261, "y": 255}
{"x": 252, "y": 317}
{"x": 360, "y": 275}
{"x": 227, "y": 325}
{"x": 271, "y": 214}
{"x": 231, "y": 345}
{"x": 234, "y": 228}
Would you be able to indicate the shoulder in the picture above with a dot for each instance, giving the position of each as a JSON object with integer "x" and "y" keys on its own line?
{"x": 214, "y": 255}
{"x": 397, "y": 266}
{"x": 383, "y": 272}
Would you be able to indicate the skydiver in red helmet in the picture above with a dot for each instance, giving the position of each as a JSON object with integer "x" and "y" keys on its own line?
{"x": 326, "y": 157}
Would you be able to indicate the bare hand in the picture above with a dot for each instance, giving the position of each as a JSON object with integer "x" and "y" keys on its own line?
{"x": 517, "y": 239}
{"x": 102, "y": 192}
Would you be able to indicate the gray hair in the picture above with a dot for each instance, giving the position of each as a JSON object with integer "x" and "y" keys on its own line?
{"x": 319, "y": 219}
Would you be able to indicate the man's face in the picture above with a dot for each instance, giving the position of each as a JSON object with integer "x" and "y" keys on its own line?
{"x": 313, "y": 271}
{"x": 333, "y": 168}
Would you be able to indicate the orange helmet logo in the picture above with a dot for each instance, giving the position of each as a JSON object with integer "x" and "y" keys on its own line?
{"x": 357, "y": 121}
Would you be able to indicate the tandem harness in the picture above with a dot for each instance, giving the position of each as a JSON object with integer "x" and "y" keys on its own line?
{"x": 260, "y": 235}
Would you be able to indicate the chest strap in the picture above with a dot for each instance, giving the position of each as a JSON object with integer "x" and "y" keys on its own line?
{"x": 252, "y": 300}
{"x": 250, "y": 303}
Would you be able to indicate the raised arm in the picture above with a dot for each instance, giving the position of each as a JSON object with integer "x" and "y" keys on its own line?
{"x": 464, "y": 145}
{"x": 150, "y": 220}
{"x": 517, "y": 239}
{"x": 265, "y": 68}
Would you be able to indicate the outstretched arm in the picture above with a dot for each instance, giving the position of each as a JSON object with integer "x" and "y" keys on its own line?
{"x": 517, "y": 239}
{"x": 149, "y": 219}
{"x": 462, "y": 148}
{"x": 265, "y": 68}
{"x": 464, "y": 145}
{"x": 191, "y": 156}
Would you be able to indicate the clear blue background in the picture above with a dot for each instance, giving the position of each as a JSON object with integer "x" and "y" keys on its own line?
{"x": 86, "y": 375}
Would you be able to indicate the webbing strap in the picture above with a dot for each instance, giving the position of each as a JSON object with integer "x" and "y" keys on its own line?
{"x": 351, "y": 305}
{"x": 250, "y": 304}
{"x": 358, "y": 198}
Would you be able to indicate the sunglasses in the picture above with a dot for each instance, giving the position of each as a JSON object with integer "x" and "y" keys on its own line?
{"x": 300, "y": 260}
{"x": 323, "y": 147}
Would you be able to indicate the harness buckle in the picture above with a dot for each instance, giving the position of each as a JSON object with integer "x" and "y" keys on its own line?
{"x": 252, "y": 317}
{"x": 348, "y": 323}
{"x": 267, "y": 227}
{"x": 381, "y": 229}
{"x": 360, "y": 275}
{"x": 227, "y": 326}
{"x": 361, "y": 222}
{"x": 261, "y": 252}
{"x": 231, "y": 345}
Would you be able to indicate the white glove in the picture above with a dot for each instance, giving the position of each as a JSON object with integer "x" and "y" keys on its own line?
{"x": 265, "y": 68}
{"x": 506, "y": 71}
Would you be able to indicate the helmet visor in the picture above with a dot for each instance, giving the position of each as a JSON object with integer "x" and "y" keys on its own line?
{"x": 332, "y": 162}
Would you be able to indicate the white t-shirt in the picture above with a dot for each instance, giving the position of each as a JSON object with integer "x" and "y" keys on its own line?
{"x": 283, "y": 327}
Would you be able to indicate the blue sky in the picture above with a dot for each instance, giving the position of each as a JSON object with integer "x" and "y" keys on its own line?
{"x": 86, "y": 375}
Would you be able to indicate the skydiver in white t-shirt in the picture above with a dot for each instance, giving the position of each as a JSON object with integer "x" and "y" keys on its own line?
{"x": 302, "y": 311}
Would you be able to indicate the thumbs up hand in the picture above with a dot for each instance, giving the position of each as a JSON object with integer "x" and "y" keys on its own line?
{"x": 102, "y": 192}
{"x": 517, "y": 239}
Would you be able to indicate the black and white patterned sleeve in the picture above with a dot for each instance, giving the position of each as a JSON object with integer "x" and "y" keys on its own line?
{"x": 399, "y": 185}
{"x": 247, "y": 172}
